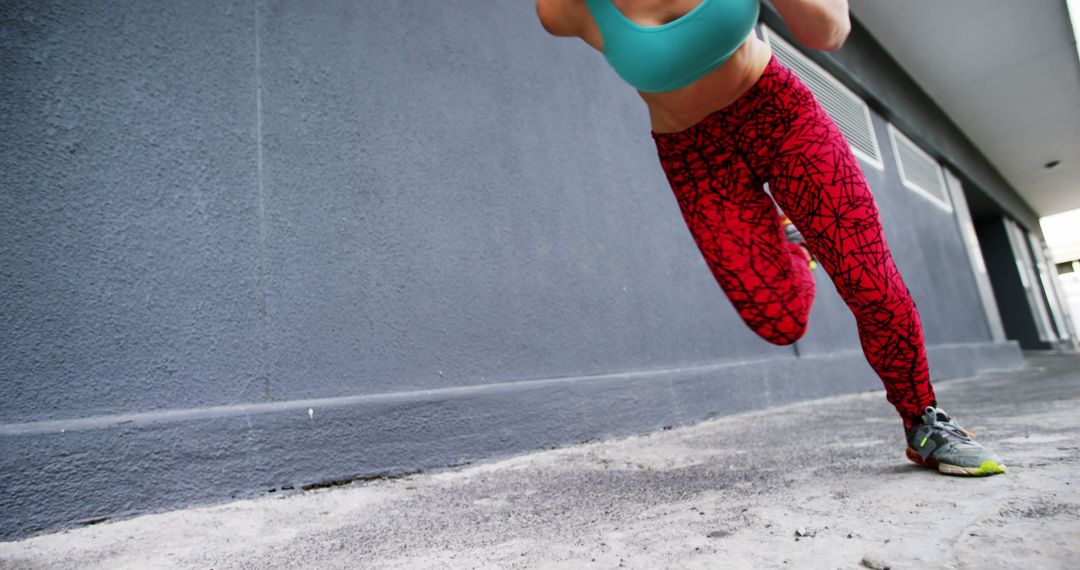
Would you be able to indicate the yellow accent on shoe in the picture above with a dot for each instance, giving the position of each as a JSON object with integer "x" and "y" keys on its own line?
{"x": 988, "y": 468}
{"x": 923, "y": 442}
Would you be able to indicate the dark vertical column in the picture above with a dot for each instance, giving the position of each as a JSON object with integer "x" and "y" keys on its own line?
{"x": 1006, "y": 279}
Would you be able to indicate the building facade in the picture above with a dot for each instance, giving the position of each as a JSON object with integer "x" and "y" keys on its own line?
{"x": 255, "y": 247}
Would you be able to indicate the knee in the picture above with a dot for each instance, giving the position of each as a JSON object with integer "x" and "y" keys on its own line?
{"x": 783, "y": 333}
{"x": 782, "y": 341}
{"x": 786, "y": 340}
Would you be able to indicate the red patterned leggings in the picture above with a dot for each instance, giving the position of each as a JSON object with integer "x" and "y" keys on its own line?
{"x": 778, "y": 133}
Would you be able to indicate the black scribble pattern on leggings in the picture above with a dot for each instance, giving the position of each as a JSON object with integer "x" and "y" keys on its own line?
{"x": 778, "y": 133}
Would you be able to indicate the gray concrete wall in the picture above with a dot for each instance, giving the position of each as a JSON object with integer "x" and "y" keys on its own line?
{"x": 260, "y": 245}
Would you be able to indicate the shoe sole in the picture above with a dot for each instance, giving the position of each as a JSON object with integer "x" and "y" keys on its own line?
{"x": 986, "y": 468}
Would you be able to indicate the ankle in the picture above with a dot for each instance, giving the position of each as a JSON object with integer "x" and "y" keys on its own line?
{"x": 912, "y": 423}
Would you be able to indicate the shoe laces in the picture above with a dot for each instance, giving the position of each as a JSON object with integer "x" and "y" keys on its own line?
{"x": 937, "y": 418}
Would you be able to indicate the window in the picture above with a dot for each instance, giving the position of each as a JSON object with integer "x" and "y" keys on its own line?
{"x": 849, "y": 112}
{"x": 918, "y": 170}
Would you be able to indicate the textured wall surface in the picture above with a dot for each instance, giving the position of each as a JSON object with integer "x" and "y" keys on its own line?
{"x": 128, "y": 229}
{"x": 215, "y": 216}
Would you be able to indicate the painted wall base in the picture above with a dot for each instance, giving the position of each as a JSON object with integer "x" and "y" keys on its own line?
{"x": 71, "y": 472}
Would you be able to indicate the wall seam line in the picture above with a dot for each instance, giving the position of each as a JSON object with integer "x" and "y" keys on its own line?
{"x": 264, "y": 335}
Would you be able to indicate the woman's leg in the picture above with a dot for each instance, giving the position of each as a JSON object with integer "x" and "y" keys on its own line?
{"x": 737, "y": 229}
{"x": 818, "y": 182}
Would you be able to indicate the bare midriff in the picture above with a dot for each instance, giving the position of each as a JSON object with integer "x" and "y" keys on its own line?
{"x": 674, "y": 111}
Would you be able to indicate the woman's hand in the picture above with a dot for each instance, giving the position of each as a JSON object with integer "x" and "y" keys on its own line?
{"x": 816, "y": 24}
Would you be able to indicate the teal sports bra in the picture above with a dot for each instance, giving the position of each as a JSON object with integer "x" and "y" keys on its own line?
{"x": 673, "y": 55}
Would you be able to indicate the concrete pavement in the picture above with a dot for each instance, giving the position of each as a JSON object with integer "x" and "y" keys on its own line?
{"x": 820, "y": 484}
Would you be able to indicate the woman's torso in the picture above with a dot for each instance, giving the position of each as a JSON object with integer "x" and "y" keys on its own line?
{"x": 679, "y": 109}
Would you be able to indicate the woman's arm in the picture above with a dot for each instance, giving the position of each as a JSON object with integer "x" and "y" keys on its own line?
{"x": 816, "y": 24}
{"x": 557, "y": 18}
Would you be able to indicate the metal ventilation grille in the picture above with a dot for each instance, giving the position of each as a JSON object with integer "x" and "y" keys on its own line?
{"x": 918, "y": 170}
{"x": 849, "y": 112}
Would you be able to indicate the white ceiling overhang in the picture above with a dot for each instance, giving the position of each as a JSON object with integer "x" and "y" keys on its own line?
{"x": 1007, "y": 73}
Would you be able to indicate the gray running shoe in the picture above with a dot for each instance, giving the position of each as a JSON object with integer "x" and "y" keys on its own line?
{"x": 940, "y": 442}
{"x": 793, "y": 235}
